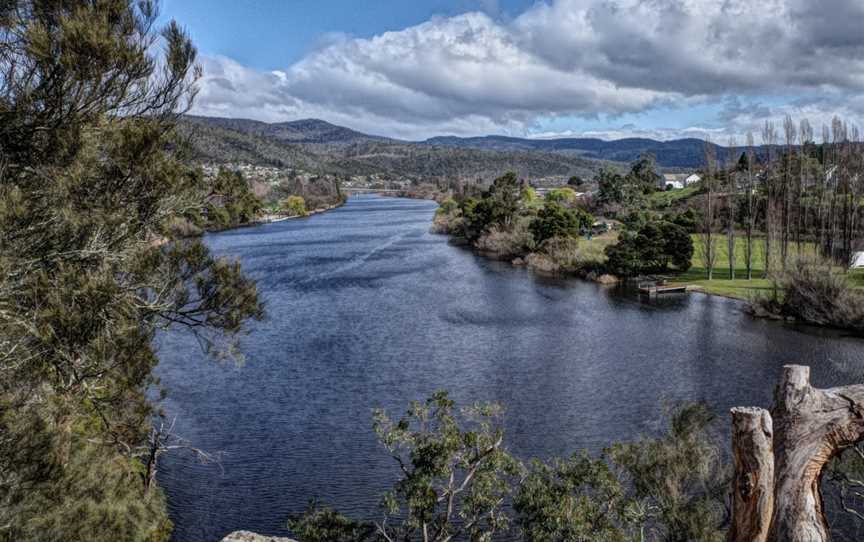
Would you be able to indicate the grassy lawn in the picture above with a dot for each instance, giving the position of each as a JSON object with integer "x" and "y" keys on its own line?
{"x": 662, "y": 199}
{"x": 740, "y": 287}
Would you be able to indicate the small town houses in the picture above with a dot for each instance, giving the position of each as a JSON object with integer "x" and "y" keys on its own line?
{"x": 678, "y": 181}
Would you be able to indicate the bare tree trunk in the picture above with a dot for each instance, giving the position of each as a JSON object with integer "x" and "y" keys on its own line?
{"x": 811, "y": 426}
{"x": 751, "y": 211}
{"x": 732, "y": 204}
{"x": 753, "y": 485}
{"x": 769, "y": 137}
{"x": 707, "y": 246}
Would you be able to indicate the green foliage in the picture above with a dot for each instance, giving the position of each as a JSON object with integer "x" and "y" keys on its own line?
{"x": 554, "y": 220}
{"x": 447, "y": 207}
{"x": 643, "y": 174}
{"x": 563, "y": 196}
{"x": 498, "y": 206}
{"x": 230, "y": 201}
{"x": 294, "y": 206}
{"x": 91, "y": 188}
{"x": 689, "y": 220}
{"x": 578, "y": 499}
{"x": 627, "y": 190}
{"x": 323, "y": 524}
{"x": 679, "y": 477}
{"x": 451, "y": 465}
{"x": 613, "y": 188}
{"x": 503, "y": 199}
{"x": 576, "y": 181}
{"x": 455, "y": 477}
{"x": 94, "y": 497}
{"x": 650, "y": 246}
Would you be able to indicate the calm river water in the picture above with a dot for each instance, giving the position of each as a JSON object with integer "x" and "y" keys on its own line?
{"x": 367, "y": 309}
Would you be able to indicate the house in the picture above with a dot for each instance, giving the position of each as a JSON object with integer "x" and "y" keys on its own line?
{"x": 678, "y": 181}
{"x": 672, "y": 181}
{"x": 692, "y": 179}
{"x": 857, "y": 260}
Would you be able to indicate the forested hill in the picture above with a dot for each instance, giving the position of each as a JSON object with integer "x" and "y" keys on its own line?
{"x": 320, "y": 147}
{"x": 679, "y": 153}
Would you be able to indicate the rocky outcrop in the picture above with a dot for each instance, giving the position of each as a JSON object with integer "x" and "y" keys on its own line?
{"x": 246, "y": 536}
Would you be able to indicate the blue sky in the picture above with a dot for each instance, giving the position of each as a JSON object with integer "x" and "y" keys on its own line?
{"x": 271, "y": 34}
{"x": 608, "y": 68}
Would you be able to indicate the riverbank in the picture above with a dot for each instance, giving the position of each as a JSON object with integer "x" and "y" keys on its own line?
{"x": 370, "y": 311}
{"x": 590, "y": 254}
{"x": 270, "y": 218}
{"x": 740, "y": 287}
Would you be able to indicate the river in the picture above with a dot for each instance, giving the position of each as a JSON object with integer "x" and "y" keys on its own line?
{"x": 366, "y": 309}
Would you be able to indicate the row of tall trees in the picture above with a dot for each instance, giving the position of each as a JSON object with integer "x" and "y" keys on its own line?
{"x": 788, "y": 197}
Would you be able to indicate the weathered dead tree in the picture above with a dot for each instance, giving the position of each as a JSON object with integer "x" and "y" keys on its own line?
{"x": 776, "y": 492}
{"x": 753, "y": 484}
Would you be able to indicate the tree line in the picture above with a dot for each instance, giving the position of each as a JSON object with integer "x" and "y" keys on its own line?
{"x": 796, "y": 198}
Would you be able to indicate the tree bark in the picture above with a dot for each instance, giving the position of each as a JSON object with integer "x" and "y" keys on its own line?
{"x": 811, "y": 426}
{"x": 753, "y": 485}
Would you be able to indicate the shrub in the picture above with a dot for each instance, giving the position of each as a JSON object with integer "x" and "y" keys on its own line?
{"x": 810, "y": 292}
{"x": 294, "y": 206}
{"x": 448, "y": 224}
{"x": 447, "y": 207}
{"x": 679, "y": 477}
{"x": 564, "y": 196}
{"x": 553, "y": 220}
{"x": 651, "y": 249}
{"x": 512, "y": 243}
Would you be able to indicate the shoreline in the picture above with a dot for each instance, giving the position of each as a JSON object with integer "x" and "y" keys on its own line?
{"x": 274, "y": 218}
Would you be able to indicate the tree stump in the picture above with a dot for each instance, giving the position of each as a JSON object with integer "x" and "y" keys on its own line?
{"x": 753, "y": 485}
{"x": 811, "y": 426}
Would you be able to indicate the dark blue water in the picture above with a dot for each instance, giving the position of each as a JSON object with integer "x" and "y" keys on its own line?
{"x": 366, "y": 309}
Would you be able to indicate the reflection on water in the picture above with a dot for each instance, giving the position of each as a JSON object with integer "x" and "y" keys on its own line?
{"x": 366, "y": 309}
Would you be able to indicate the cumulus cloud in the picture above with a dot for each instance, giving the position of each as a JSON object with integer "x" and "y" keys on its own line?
{"x": 474, "y": 74}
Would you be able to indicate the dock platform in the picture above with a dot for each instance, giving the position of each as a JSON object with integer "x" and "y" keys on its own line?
{"x": 653, "y": 290}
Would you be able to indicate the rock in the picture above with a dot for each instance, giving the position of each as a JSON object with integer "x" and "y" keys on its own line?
{"x": 607, "y": 279}
{"x": 246, "y": 536}
{"x": 542, "y": 263}
{"x": 518, "y": 262}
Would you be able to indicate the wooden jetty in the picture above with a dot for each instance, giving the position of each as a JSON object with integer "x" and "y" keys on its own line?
{"x": 653, "y": 289}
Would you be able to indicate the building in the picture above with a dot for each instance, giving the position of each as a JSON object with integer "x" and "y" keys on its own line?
{"x": 857, "y": 260}
{"x": 692, "y": 179}
{"x": 673, "y": 181}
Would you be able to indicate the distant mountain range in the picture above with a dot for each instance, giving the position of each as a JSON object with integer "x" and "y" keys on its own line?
{"x": 679, "y": 153}
{"x": 318, "y": 146}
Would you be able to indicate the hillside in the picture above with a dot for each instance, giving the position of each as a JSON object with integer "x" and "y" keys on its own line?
{"x": 319, "y": 147}
{"x": 679, "y": 153}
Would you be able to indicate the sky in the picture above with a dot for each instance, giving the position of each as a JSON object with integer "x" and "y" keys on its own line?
{"x": 414, "y": 69}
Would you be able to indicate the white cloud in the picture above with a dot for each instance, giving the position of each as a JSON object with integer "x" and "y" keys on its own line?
{"x": 472, "y": 74}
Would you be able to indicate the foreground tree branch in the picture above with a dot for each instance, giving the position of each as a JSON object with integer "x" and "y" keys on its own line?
{"x": 810, "y": 427}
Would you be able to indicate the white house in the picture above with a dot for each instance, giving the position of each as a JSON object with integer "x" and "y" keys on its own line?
{"x": 672, "y": 181}
{"x": 857, "y": 260}
{"x": 692, "y": 179}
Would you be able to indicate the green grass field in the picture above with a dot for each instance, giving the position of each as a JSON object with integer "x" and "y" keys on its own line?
{"x": 740, "y": 287}
{"x": 663, "y": 199}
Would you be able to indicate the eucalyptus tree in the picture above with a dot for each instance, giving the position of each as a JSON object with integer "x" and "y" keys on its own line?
{"x": 90, "y": 182}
